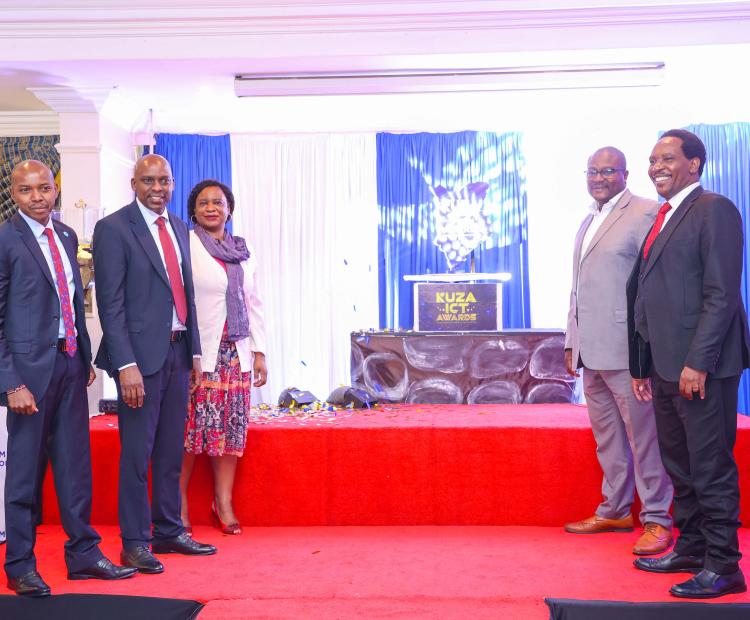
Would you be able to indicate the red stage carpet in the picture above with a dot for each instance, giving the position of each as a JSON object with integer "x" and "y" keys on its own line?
{"x": 409, "y": 573}
{"x": 454, "y": 467}
{"x": 402, "y": 465}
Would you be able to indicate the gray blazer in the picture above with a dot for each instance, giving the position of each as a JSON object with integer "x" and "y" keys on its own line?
{"x": 597, "y": 318}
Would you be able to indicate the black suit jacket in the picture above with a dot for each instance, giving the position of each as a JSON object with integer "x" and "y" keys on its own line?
{"x": 133, "y": 293}
{"x": 30, "y": 308}
{"x": 690, "y": 286}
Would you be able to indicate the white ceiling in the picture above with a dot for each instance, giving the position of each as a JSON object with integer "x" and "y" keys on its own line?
{"x": 178, "y": 58}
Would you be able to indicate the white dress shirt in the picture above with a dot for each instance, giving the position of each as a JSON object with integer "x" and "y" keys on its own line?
{"x": 676, "y": 201}
{"x": 153, "y": 228}
{"x": 599, "y": 216}
{"x": 38, "y": 231}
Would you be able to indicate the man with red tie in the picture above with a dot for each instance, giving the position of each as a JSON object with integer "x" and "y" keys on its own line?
{"x": 45, "y": 367}
{"x": 689, "y": 344}
{"x": 151, "y": 346}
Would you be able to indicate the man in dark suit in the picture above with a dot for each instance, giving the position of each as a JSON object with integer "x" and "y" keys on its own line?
{"x": 45, "y": 367}
{"x": 144, "y": 290}
{"x": 689, "y": 343}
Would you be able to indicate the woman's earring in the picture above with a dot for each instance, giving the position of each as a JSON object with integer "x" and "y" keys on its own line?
{"x": 193, "y": 219}
{"x": 229, "y": 217}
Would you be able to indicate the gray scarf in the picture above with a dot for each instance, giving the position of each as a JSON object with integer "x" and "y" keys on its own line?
{"x": 231, "y": 250}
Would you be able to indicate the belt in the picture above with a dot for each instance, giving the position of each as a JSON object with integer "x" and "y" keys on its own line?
{"x": 177, "y": 336}
{"x": 62, "y": 345}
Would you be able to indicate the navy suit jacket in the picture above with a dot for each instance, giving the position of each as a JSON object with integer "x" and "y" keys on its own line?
{"x": 30, "y": 308}
{"x": 690, "y": 285}
{"x": 133, "y": 293}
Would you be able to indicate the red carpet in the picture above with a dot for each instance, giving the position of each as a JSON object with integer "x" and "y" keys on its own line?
{"x": 455, "y": 467}
{"x": 402, "y": 465}
{"x": 412, "y": 573}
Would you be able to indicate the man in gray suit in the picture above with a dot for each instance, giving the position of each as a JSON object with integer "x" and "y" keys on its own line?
{"x": 606, "y": 248}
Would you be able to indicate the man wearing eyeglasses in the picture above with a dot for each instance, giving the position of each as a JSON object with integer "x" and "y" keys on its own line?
{"x": 144, "y": 291}
{"x": 606, "y": 247}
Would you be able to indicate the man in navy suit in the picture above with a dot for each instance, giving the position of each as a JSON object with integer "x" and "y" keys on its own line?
{"x": 45, "y": 367}
{"x": 689, "y": 344}
{"x": 151, "y": 345}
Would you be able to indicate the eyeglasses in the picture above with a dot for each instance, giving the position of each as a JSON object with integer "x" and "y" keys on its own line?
{"x": 149, "y": 181}
{"x": 605, "y": 172}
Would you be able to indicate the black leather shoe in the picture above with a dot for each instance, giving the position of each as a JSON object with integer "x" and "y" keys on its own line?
{"x": 182, "y": 544}
{"x": 30, "y": 584}
{"x": 103, "y": 569}
{"x": 671, "y": 563}
{"x": 707, "y": 584}
{"x": 142, "y": 560}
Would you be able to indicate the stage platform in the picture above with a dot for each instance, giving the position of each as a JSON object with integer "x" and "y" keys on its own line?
{"x": 447, "y": 507}
{"x": 531, "y": 465}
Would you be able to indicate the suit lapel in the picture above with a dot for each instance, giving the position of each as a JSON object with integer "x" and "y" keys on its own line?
{"x": 663, "y": 237}
{"x": 33, "y": 246}
{"x": 143, "y": 235}
{"x": 579, "y": 240}
{"x": 617, "y": 212}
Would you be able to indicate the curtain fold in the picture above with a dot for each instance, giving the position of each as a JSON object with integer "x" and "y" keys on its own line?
{"x": 409, "y": 169}
{"x": 727, "y": 172}
{"x": 194, "y": 157}
{"x": 307, "y": 204}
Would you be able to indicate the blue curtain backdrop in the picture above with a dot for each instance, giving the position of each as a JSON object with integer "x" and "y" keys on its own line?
{"x": 408, "y": 165}
{"x": 727, "y": 172}
{"x": 193, "y": 158}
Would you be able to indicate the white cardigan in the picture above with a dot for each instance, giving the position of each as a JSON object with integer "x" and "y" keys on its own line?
{"x": 210, "y": 282}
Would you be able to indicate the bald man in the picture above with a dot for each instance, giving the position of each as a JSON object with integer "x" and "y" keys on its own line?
{"x": 151, "y": 346}
{"x": 624, "y": 428}
{"x": 45, "y": 367}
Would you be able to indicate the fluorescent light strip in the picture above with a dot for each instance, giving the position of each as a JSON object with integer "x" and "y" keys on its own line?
{"x": 450, "y": 80}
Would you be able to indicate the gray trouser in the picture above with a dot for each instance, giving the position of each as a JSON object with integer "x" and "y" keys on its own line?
{"x": 627, "y": 448}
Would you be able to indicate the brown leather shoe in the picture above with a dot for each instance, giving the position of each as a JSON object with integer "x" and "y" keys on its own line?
{"x": 598, "y": 525}
{"x": 655, "y": 539}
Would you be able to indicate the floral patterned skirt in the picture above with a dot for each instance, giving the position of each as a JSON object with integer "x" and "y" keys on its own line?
{"x": 219, "y": 409}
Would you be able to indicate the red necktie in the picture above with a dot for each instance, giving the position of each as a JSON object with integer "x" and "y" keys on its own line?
{"x": 656, "y": 228}
{"x": 71, "y": 345}
{"x": 173, "y": 270}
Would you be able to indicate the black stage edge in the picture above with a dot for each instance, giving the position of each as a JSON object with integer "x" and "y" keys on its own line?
{"x": 571, "y": 609}
{"x": 96, "y": 607}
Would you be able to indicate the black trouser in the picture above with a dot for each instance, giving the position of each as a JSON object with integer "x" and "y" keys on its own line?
{"x": 60, "y": 430}
{"x": 154, "y": 432}
{"x": 696, "y": 439}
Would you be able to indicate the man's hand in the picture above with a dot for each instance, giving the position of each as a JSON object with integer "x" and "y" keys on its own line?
{"x": 642, "y": 389}
{"x": 569, "y": 363}
{"x": 260, "y": 372}
{"x": 131, "y": 387}
{"x": 22, "y": 402}
{"x": 196, "y": 375}
{"x": 691, "y": 382}
{"x": 92, "y": 376}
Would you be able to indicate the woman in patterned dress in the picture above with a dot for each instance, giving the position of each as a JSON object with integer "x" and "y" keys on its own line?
{"x": 232, "y": 330}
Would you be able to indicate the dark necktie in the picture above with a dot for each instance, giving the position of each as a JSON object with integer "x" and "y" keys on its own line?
{"x": 173, "y": 270}
{"x": 71, "y": 345}
{"x": 656, "y": 229}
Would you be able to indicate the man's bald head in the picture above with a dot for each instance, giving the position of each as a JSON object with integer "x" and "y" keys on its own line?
{"x": 31, "y": 165}
{"x": 152, "y": 182}
{"x": 33, "y": 189}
